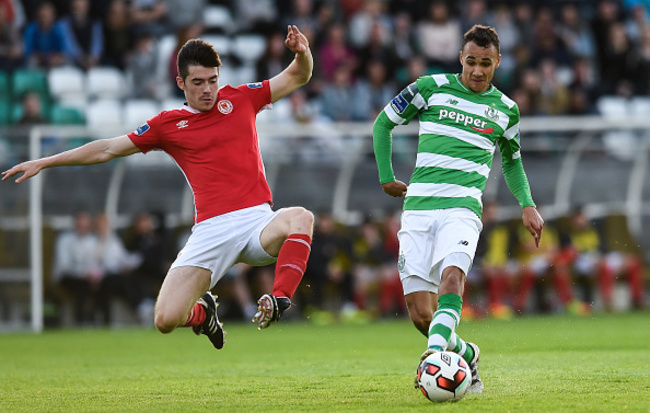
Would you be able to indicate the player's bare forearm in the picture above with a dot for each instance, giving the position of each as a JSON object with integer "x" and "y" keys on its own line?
{"x": 94, "y": 152}
{"x": 299, "y": 71}
{"x": 534, "y": 222}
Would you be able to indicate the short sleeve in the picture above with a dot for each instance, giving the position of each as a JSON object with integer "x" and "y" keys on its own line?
{"x": 259, "y": 93}
{"x": 148, "y": 136}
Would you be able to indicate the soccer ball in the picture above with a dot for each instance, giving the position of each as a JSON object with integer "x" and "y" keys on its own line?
{"x": 444, "y": 376}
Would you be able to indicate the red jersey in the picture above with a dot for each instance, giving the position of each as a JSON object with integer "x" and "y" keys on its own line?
{"x": 218, "y": 150}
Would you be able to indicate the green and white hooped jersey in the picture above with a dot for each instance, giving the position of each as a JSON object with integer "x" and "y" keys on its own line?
{"x": 459, "y": 131}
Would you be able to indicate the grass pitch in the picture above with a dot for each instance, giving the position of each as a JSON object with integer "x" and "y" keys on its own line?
{"x": 549, "y": 364}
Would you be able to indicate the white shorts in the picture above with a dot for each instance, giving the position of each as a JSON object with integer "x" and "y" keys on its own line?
{"x": 218, "y": 243}
{"x": 433, "y": 240}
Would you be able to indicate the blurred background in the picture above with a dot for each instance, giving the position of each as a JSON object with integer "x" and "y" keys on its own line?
{"x": 88, "y": 247}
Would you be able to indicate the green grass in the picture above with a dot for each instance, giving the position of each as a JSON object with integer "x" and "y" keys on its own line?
{"x": 549, "y": 364}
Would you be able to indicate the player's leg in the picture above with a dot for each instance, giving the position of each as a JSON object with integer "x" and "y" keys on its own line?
{"x": 178, "y": 296}
{"x": 287, "y": 237}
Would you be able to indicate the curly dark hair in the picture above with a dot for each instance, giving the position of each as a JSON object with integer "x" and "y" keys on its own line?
{"x": 483, "y": 36}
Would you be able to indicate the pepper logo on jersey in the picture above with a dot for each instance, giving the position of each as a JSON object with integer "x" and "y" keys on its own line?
{"x": 477, "y": 124}
{"x": 224, "y": 106}
{"x": 142, "y": 129}
{"x": 182, "y": 124}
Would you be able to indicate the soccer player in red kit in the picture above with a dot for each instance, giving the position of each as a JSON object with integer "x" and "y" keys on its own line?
{"x": 213, "y": 139}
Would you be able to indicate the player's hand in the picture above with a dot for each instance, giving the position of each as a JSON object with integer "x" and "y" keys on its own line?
{"x": 395, "y": 188}
{"x": 296, "y": 41}
{"x": 534, "y": 223}
{"x": 29, "y": 169}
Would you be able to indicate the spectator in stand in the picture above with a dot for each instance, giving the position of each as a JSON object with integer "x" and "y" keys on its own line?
{"x": 576, "y": 33}
{"x": 536, "y": 269}
{"x": 44, "y": 40}
{"x": 182, "y": 36}
{"x": 373, "y": 90}
{"x": 585, "y": 257}
{"x": 505, "y": 25}
{"x": 84, "y": 35}
{"x": 474, "y": 12}
{"x": 642, "y": 64}
{"x": 301, "y": 13}
{"x": 369, "y": 21}
{"x": 413, "y": 69}
{"x": 10, "y": 45}
{"x": 546, "y": 42}
{"x": 391, "y": 295}
{"x": 258, "y": 16}
{"x": 75, "y": 267}
{"x": 416, "y": 9}
{"x": 405, "y": 45}
{"x": 117, "y": 35}
{"x": 114, "y": 266}
{"x": 14, "y": 13}
{"x": 338, "y": 100}
{"x": 142, "y": 64}
{"x": 369, "y": 257}
{"x": 185, "y": 13}
{"x": 524, "y": 22}
{"x": 326, "y": 265}
{"x": 440, "y": 38}
{"x": 607, "y": 14}
{"x": 493, "y": 265}
{"x": 149, "y": 16}
{"x": 377, "y": 49}
{"x": 554, "y": 95}
{"x": 335, "y": 52}
{"x": 275, "y": 58}
{"x": 584, "y": 81}
{"x": 147, "y": 239}
{"x": 617, "y": 70}
{"x": 32, "y": 110}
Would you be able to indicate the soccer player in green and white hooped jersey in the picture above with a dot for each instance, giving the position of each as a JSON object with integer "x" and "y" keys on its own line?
{"x": 462, "y": 120}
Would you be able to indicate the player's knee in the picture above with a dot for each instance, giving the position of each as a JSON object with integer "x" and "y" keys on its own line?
{"x": 302, "y": 218}
{"x": 164, "y": 322}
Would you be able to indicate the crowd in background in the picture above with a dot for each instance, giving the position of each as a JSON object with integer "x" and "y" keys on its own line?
{"x": 558, "y": 57}
{"x": 352, "y": 271}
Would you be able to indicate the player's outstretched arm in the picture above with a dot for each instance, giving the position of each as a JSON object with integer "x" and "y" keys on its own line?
{"x": 299, "y": 70}
{"x": 534, "y": 222}
{"x": 99, "y": 151}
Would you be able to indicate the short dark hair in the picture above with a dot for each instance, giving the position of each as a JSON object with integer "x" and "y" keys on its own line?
{"x": 196, "y": 52}
{"x": 483, "y": 36}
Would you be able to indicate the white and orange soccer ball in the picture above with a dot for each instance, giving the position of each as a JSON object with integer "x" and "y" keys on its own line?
{"x": 444, "y": 376}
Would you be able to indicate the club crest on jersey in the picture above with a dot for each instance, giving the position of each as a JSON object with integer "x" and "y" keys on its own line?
{"x": 142, "y": 129}
{"x": 492, "y": 114}
{"x": 254, "y": 85}
{"x": 224, "y": 106}
{"x": 182, "y": 124}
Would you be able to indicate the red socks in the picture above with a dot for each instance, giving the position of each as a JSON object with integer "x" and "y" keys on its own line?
{"x": 196, "y": 317}
{"x": 291, "y": 265}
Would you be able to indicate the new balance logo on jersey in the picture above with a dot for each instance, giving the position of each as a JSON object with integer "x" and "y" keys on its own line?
{"x": 182, "y": 124}
{"x": 477, "y": 124}
{"x": 452, "y": 101}
{"x": 465, "y": 243}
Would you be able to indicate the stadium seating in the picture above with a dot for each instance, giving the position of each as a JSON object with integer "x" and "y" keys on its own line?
{"x": 220, "y": 42}
{"x": 64, "y": 115}
{"x": 138, "y": 111}
{"x": 248, "y": 48}
{"x": 106, "y": 83}
{"x": 217, "y": 19}
{"x": 29, "y": 80}
{"x": 612, "y": 106}
{"x": 104, "y": 113}
{"x": 5, "y": 112}
{"x": 66, "y": 83}
{"x": 171, "y": 103}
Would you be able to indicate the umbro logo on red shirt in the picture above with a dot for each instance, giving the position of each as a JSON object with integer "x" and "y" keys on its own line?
{"x": 182, "y": 124}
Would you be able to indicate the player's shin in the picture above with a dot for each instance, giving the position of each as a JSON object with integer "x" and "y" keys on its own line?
{"x": 291, "y": 264}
